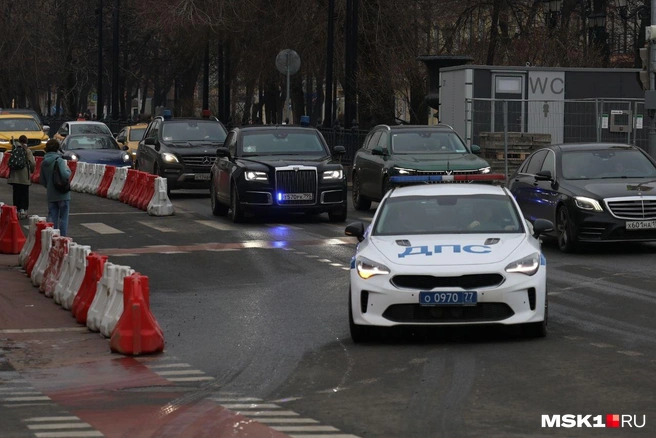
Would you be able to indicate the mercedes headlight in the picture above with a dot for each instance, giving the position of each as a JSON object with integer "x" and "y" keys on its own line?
{"x": 588, "y": 204}
{"x": 126, "y": 157}
{"x": 367, "y": 268}
{"x": 485, "y": 169}
{"x": 528, "y": 265}
{"x": 403, "y": 171}
{"x": 169, "y": 158}
{"x": 4, "y": 141}
{"x": 252, "y": 175}
{"x": 333, "y": 174}
{"x": 74, "y": 157}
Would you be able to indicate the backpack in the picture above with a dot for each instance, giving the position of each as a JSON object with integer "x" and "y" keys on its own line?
{"x": 17, "y": 158}
{"x": 61, "y": 184}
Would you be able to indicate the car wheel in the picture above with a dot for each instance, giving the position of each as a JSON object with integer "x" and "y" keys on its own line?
{"x": 337, "y": 216}
{"x": 566, "y": 240}
{"x": 538, "y": 329}
{"x": 360, "y": 203}
{"x": 359, "y": 333}
{"x": 237, "y": 214}
{"x": 218, "y": 209}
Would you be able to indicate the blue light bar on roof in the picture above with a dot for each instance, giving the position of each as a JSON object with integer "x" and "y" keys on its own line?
{"x": 167, "y": 114}
{"x": 427, "y": 179}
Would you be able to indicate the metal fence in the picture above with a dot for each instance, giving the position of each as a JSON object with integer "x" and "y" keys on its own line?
{"x": 351, "y": 139}
{"x": 567, "y": 121}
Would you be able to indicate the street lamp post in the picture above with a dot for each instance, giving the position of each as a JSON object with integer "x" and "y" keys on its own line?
{"x": 554, "y": 11}
{"x": 99, "y": 88}
{"x": 328, "y": 113}
{"x": 115, "y": 60}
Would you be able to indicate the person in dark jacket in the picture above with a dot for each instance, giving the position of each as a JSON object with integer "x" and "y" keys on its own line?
{"x": 20, "y": 180}
{"x": 58, "y": 202}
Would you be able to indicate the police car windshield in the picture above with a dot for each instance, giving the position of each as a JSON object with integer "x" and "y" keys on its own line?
{"x": 90, "y": 129}
{"x": 280, "y": 142}
{"x": 607, "y": 164}
{"x": 461, "y": 214}
{"x": 193, "y": 130}
{"x": 18, "y": 124}
{"x": 427, "y": 142}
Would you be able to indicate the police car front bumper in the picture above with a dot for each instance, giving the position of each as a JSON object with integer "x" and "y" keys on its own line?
{"x": 518, "y": 299}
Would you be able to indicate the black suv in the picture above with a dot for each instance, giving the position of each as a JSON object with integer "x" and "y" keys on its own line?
{"x": 180, "y": 150}
{"x": 409, "y": 150}
{"x": 282, "y": 168}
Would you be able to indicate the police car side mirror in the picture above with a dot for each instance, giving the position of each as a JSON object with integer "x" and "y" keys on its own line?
{"x": 356, "y": 229}
{"x": 542, "y": 226}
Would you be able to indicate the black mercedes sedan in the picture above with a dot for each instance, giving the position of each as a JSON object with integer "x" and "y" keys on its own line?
{"x": 284, "y": 168}
{"x": 595, "y": 192}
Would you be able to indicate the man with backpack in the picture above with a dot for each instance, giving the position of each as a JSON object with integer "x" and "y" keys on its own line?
{"x": 55, "y": 176}
{"x": 21, "y": 165}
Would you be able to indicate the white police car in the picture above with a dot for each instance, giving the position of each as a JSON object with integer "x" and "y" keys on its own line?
{"x": 448, "y": 254}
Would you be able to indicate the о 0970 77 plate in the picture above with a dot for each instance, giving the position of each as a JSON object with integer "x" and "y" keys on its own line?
{"x": 448, "y": 298}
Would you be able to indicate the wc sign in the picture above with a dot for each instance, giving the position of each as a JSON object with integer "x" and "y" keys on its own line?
{"x": 546, "y": 103}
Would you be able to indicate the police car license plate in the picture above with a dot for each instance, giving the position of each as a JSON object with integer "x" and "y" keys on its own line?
{"x": 297, "y": 196}
{"x": 202, "y": 177}
{"x": 641, "y": 225}
{"x": 448, "y": 298}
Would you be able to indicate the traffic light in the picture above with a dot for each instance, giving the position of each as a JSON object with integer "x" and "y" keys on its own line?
{"x": 644, "y": 73}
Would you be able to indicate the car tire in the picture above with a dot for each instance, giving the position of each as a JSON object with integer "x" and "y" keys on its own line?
{"x": 218, "y": 209}
{"x": 565, "y": 237}
{"x": 359, "y": 333}
{"x": 236, "y": 212}
{"x": 538, "y": 329}
{"x": 360, "y": 203}
{"x": 338, "y": 216}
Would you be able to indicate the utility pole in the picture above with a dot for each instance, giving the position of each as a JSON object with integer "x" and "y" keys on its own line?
{"x": 99, "y": 88}
{"x": 206, "y": 77}
{"x": 328, "y": 112}
{"x": 115, "y": 61}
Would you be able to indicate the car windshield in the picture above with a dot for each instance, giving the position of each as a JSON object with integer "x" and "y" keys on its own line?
{"x": 18, "y": 124}
{"x": 607, "y": 164}
{"x": 90, "y": 129}
{"x": 281, "y": 142}
{"x": 427, "y": 142}
{"x": 136, "y": 134}
{"x": 90, "y": 142}
{"x": 193, "y": 130}
{"x": 449, "y": 214}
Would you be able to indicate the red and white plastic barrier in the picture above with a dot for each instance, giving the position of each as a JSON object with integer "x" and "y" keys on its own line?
{"x": 42, "y": 262}
{"x": 22, "y": 257}
{"x": 56, "y": 258}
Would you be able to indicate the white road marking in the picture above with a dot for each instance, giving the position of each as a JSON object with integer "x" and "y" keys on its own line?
{"x": 55, "y": 426}
{"x": 269, "y": 413}
{"x": 332, "y": 435}
{"x": 170, "y": 365}
{"x": 44, "y": 330}
{"x": 69, "y": 434}
{"x": 101, "y": 228}
{"x": 157, "y": 228}
{"x": 310, "y": 256}
{"x": 346, "y": 269}
{"x": 301, "y": 253}
{"x": 601, "y": 345}
{"x": 22, "y": 393}
{"x": 217, "y": 225}
{"x": 287, "y": 420}
{"x": 22, "y": 405}
{"x": 337, "y": 265}
{"x": 174, "y": 252}
{"x": 324, "y": 261}
{"x": 190, "y": 379}
{"x": 179, "y": 373}
{"x": 35, "y": 419}
{"x": 223, "y": 249}
{"x": 14, "y": 388}
{"x": 25, "y": 399}
{"x": 305, "y": 428}
{"x": 250, "y": 406}
{"x": 630, "y": 353}
{"x": 234, "y": 399}
{"x": 105, "y": 213}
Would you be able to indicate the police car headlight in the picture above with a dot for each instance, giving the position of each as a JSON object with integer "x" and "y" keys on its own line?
{"x": 169, "y": 158}
{"x": 485, "y": 169}
{"x": 528, "y": 265}
{"x": 256, "y": 176}
{"x": 333, "y": 174}
{"x": 368, "y": 268}
{"x": 588, "y": 204}
{"x": 403, "y": 171}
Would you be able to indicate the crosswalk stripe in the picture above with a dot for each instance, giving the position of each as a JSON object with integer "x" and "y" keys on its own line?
{"x": 235, "y": 399}
{"x": 217, "y": 225}
{"x": 161, "y": 229}
{"x": 63, "y": 418}
{"x": 179, "y": 373}
{"x": 268, "y": 413}
{"x": 305, "y": 428}
{"x": 286, "y": 420}
{"x": 170, "y": 365}
{"x": 25, "y": 399}
{"x": 101, "y": 228}
{"x": 190, "y": 379}
{"x": 250, "y": 406}
{"x": 69, "y": 434}
{"x": 58, "y": 426}
{"x": 23, "y": 405}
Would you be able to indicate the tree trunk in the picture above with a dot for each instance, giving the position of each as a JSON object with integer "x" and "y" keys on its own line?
{"x": 494, "y": 32}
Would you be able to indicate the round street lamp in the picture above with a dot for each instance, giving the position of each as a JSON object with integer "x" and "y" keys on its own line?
{"x": 555, "y": 5}
{"x": 597, "y": 21}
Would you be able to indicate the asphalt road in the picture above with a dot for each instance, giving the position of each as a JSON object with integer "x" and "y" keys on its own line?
{"x": 262, "y": 308}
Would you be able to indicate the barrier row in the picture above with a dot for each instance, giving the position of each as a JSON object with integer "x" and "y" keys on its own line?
{"x": 108, "y": 298}
{"x": 141, "y": 190}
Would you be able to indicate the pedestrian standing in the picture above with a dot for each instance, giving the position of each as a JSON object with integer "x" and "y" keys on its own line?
{"x": 58, "y": 201}
{"x": 21, "y": 165}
